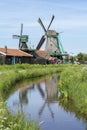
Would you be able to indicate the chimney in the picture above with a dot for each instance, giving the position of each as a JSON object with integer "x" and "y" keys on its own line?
{"x": 6, "y": 49}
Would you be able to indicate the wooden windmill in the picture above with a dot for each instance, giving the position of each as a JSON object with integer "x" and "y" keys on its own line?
{"x": 53, "y": 45}
{"x": 23, "y": 39}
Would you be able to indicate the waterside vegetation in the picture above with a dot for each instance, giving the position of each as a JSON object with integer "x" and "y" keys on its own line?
{"x": 9, "y": 76}
{"x": 72, "y": 87}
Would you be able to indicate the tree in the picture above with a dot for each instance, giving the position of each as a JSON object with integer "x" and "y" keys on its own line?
{"x": 82, "y": 57}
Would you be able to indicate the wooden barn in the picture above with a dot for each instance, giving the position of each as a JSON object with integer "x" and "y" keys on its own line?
{"x": 14, "y": 56}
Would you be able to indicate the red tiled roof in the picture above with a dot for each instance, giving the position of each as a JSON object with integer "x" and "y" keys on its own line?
{"x": 14, "y": 52}
{"x": 43, "y": 54}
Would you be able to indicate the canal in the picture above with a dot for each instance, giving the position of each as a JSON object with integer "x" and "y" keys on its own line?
{"x": 40, "y": 101}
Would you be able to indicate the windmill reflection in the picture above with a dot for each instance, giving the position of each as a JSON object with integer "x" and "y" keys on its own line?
{"x": 42, "y": 93}
{"x": 23, "y": 95}
{"x": 50, "y": 95}
{"x": 48, "y": 92}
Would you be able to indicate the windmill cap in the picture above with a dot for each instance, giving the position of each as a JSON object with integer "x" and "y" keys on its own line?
{"x": 52, "y": 32}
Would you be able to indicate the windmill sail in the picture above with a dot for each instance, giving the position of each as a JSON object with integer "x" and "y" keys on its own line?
{"x": 41, "y": 42}
{"x": 21, "y": 32}
{"x": 51, "y": 22}
{"x": 41, "y": 23}
{"x": 43, "y": 37}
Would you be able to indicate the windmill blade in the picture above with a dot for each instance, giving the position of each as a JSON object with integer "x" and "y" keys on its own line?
{"x": 40, "y": 22}
{"x": 51, "y": 22}
{"x": 21, "y": 30}
{"x": 19, "y": 44}
{"x": 42, "y": 108}
{"x": 16, "y": 36}
{"x": 40, "y": 90}
{"x": 41, "y": 42}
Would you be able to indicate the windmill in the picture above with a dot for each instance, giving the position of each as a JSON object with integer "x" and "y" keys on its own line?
{"x": 23, "y": 39}
{"x": 44, "y": 36}
{"x": 53, "y": 45}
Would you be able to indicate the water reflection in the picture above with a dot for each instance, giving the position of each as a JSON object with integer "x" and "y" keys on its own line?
{"x": 40, "y": 101}
{"x": 49, "y": 94}
{"x": 23, "y": 98}
{"x": 70, "y": 106}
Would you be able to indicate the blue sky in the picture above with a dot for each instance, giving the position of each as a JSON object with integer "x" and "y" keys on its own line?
{"x": 70, "y": 18}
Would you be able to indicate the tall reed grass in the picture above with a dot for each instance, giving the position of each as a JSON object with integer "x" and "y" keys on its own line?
{"x": 73, "y": 85}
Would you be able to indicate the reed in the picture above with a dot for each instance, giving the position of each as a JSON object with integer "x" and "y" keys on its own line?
{"x": 73, "y": 85}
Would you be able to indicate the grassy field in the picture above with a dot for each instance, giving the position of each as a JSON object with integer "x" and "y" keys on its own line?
{"x": 72, "y": 87}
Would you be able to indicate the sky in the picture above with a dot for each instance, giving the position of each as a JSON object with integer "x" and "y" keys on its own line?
{"x": 70, "y": 19}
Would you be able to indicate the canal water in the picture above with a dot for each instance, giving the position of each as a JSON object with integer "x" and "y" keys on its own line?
{"x": 40, "y": 101}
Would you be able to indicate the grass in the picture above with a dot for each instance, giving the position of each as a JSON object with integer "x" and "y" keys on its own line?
{"x": 9, "y": 122}
{"x": 9, "y": 76}
{"x": 17, "y": 73}
{"x": 73, "y": 85}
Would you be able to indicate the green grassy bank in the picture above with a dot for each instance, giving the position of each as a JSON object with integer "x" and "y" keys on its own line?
{"x": 73, "y": 86}
{"x": 9, "y": 76}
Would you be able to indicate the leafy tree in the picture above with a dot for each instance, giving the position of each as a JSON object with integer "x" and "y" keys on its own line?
{"x": 81, "y": 57}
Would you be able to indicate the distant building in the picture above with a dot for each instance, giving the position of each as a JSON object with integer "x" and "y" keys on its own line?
{"x": 14, "y": 56}
{"x": 47, "y": 58}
